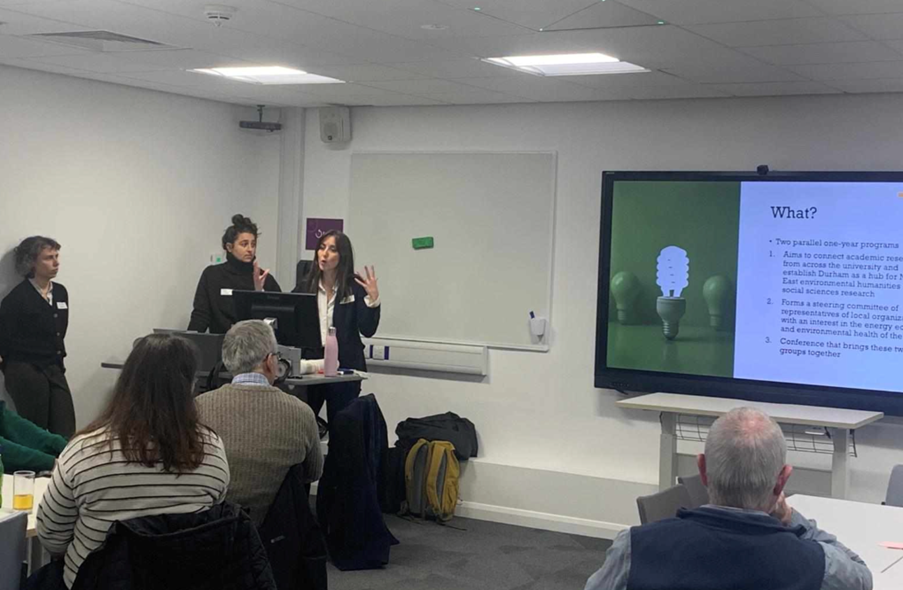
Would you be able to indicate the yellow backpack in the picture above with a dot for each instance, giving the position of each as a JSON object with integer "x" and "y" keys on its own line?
{"x": 431, "y": 474}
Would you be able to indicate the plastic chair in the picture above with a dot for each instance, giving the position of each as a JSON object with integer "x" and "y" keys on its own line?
{"x": 13, "y": 564}
{"x": 664, "y": 504}
{"x": 699, "y": 494}
{"x": 894, "y": 495}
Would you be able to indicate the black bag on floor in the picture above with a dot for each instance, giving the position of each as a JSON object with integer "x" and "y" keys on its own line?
{"x": 448, "y": 426}
{"x": 391, "y": 480}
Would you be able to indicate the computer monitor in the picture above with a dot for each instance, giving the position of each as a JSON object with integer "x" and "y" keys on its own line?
{"x": 296, "y": 315}
{"x": 208, "y": 347}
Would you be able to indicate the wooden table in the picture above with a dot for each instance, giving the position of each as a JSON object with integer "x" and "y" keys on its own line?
{"x": 861, "y": 527}
{"x": 838, "y": 422}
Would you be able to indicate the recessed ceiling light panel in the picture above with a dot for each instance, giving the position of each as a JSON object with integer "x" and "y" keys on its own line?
{"x": 269, "y": 75}
{"x": 574, "y": 64}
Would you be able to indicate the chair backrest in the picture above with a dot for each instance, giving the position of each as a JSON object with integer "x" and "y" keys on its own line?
{"x": 699, "y": 494}
{"x": 663, "y": 504}
{"x": 12, "y": 549}
{"x": 895, "y": 487}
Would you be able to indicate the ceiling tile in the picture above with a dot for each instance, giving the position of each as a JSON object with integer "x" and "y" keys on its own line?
{"x": 534, "y": 87}
{"x": 716, "y": 75}
{"x": 864, "y": 86}
{"x": 534, "y": 14}
{"x": 16, "y": 47}
{"x": 366, "y": 72}
{"x": 604, "y": 15}
{"x": 658, "y": 47}
{"x": 825, "y": 53}
{"x": 462, "y": 68}
{"x": 388, "y": 101}
{"x": 674, "y": 92}
{"x": 776, "y": 88}
{"x": 637, "y": 80}
{"x": 779, "y": 32}
{"x": 407, "y": 17}
{"x": 840, "y": 7}
{"x": 478, "y": 96}
{"x": 864, "y": 71}
{"x": 420, "y": 86}
{"x": 686, "y": 12}
{"x": 533, "y": 43}
{"x": 103, "y": 63}
{"x": 878, "y": 26}
{"x": 19, "y": 23}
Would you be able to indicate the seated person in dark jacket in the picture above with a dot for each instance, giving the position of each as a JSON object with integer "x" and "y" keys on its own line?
{"x": 25, "y": 446}
{"x": 748, "y": 538}
{"x": 213, "y": 307}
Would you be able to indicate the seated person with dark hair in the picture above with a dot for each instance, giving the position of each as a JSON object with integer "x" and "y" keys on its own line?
{"x": 26, "y": 446}
{"x": 265, "y": 430}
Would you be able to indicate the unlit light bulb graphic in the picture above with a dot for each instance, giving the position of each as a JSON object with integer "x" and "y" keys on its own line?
{"x": 672, "y": 276}
{"x": 717, "y": 294}
{"x": 625, "y": 286}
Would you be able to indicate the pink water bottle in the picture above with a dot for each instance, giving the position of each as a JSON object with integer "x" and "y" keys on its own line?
{"x": 331, "y": 355}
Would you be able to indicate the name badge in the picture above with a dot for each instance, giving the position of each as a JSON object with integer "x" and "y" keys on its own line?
{"x": 61, "y": 305}
{"x": 349, "y": 299}
{"x": 225, "y": 292}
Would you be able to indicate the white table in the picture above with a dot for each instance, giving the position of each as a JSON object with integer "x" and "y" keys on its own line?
{"x": 35, "y": 551}
{"x": 838, "y": 422}
{"x": 861, "y": 527}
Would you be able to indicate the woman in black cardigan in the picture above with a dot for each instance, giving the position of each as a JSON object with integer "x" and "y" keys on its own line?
{"x": 213, "y": 306}
{"x": 34, "y": 317}
{"x": 348, "y": 302}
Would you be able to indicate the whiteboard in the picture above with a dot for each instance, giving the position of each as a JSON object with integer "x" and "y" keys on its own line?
{"x": 492, "y": 219}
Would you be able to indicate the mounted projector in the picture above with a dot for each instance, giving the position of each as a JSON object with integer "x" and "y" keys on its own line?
{"x": 218, "y": 14}
{"x": 260, "y": 124}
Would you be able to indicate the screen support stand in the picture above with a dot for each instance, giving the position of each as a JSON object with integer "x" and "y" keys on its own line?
{"x": 667, "y": 468}
{"x": 840, "y": 472}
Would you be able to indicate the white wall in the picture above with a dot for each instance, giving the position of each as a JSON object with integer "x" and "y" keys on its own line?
{"x": 137, "y": 186}
{"x": 540, "y": 411}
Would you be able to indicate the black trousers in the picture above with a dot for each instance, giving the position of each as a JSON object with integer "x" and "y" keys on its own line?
{"x": 41, "y": 395}
{"x": 337, "y": 396}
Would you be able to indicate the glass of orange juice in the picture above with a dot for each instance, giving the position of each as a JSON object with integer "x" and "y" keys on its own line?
{"x": 23, "y": 490}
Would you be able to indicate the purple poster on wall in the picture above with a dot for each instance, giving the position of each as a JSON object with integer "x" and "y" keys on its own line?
{"x": 317, "y": 226}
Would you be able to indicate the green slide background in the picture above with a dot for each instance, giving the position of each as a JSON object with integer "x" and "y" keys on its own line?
{"x": 703, "y": 218}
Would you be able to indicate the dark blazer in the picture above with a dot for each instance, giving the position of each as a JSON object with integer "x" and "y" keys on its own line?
{"x": 352, "y": 320}
{"x": 31, "y": 330}
{"x": 217, "y": 549}
{"x": 292, "y": 537}
{"x": 347, "y": 501}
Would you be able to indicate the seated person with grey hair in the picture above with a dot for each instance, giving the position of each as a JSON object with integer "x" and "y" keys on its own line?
{"x": 265, "y": 430}
{"x": 748, "y": 538}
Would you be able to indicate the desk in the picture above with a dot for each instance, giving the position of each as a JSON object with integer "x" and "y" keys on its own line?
{"x": 35, "y": 551}
{"x": 299, "y": 381}
{"x": 861, "y": 527}
{"x": 839, "y": 424}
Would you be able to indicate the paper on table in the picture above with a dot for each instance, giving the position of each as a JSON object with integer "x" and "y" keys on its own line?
{"x": 891, "y": 545}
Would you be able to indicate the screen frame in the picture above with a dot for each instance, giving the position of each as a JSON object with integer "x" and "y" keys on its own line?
{"x": 634, "y": 380}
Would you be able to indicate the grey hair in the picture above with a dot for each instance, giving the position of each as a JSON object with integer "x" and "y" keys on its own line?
{"x": 27, "y": 252}
{"x": 246, "y": 345}
{"x": 744, "y": 453}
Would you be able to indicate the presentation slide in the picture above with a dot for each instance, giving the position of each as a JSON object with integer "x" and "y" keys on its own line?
{"x": 796, "y": 282}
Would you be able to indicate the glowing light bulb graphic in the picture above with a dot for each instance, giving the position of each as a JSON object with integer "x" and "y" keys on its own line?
{"x": 717, "y": 294}
{"x": 673, "y": 273}
{"x": 625, "y": 286}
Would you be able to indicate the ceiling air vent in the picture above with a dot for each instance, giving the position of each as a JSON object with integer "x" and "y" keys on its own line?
{"x": 106, "y": 41}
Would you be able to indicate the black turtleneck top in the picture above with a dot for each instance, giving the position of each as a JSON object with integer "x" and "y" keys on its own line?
{"x": 213, "y": 307}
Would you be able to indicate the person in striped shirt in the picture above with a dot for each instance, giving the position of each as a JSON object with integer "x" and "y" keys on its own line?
{"x": 147, "y": 454}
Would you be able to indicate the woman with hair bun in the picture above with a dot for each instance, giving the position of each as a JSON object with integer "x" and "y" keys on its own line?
{"x": 213, "y": 307}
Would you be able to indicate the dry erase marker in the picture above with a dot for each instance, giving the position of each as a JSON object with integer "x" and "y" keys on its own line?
{"x": 344, "y": 372}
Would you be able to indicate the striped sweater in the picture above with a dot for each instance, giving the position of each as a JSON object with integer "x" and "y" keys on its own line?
{"x": 94, "y": 486}
{"x": 265, "y": 431}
